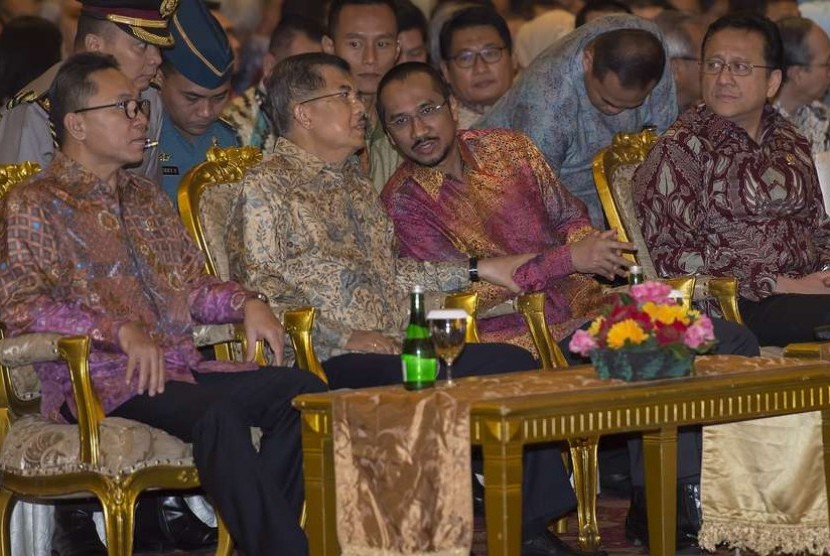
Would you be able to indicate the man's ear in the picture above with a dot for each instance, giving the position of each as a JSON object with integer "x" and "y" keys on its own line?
{"x": 93, "y": 43}
{"x": 773, "y": 83}
{"x": 301, "y": 117}
{"x": 328, "y": 45}
{"x": 587, "y": 60}
{"x": 454, "y": 109}
{"x": 74, "y": 125}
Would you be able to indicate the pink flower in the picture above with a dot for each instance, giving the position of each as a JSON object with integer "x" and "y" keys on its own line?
{"x": 582, "y": 342}
{"x": 700, "y": 333}
{"x": 656, "y": 292}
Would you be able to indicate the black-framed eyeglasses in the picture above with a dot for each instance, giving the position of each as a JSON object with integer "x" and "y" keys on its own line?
{"x": 467, "y": 58}
{"x": 131, "y": 107}
{"x": 741, "y": 69}
{"x": 346, "y": 96}
{"x": 425, "y": 113}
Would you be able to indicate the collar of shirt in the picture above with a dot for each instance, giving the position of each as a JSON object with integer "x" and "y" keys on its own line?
{"x": 310, "y": 165}
{"x": 85, "y": 184}
{"x": 431, "y": 179}
{"x": 720, "y": 129}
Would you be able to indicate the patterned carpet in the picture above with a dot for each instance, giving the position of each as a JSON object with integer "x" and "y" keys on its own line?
{"x": 611, "y": 513}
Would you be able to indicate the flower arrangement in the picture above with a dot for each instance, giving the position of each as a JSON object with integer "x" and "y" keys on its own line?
{"x": 646, "y": 321}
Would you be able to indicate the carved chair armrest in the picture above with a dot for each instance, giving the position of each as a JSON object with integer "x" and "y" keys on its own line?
{"x": 808, "y": 350}
{"x": 724, "y": 290}
{"x": 27, "y": 349}
{"x": 468, "y": 301}
{"x": 299, "y": 323}
{"x": 532, "y": 307}
{"x": 74, "y": 350}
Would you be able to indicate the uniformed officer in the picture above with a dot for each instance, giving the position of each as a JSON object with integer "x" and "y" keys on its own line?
{"x": 133, "y": 31}
{"x": 197, "y": 85}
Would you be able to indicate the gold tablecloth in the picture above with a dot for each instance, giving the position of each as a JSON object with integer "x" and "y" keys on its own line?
{"x": 763, "y": 486}
{"x": 402, "y": 459}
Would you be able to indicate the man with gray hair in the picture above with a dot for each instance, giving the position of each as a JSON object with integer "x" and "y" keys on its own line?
{"x": 340, "y": 255}
{"x": 682, "y": 35}
{"x": 805, "y": 80}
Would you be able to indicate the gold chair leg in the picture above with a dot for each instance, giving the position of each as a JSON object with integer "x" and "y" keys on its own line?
{"x": 584, "y": 456}
{"x": 562, "y": 526}
{"x": 225, "y": 544}
{"x": 119, "y": 517}
{"x": 6, "y": 506}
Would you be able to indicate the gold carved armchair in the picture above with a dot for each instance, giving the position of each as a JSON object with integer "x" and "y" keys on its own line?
{"x": 111, "y": 458}
{"x": 206, "y": 194}
{"x": 614, "y": 169}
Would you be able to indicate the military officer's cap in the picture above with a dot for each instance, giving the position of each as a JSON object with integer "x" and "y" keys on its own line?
{"x": 201, "y": 52}
{"x": 146, "y": 20}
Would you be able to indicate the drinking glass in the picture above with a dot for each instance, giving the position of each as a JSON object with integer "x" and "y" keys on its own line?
{"x": 449, "y": 330}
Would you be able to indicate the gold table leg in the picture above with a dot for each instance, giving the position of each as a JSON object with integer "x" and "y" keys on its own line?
{"x": 318, "y": 469}
{"x": 660, "y": 455}
{"x": 503, "y": 498}
{"x": 584, "y": 457}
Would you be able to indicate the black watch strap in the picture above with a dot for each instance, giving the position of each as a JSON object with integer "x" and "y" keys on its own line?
{"x": 472, "y": 270}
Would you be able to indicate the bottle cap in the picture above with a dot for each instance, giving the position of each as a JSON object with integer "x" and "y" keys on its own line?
{"x": 635, "y": 269}
{"x": 676, "y": 295}
{"x": 417, "y": 289}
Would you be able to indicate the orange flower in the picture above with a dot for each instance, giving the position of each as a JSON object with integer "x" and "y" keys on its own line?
{"x": 626, "y": 331}
{"x": 666, "y": 314}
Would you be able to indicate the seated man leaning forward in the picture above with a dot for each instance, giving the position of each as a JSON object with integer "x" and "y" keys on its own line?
{"x": 731, "y": 189}
{"x": 89, "y": 248}
{"x": 461, "y": 194}
{"x": 308, "y": 228}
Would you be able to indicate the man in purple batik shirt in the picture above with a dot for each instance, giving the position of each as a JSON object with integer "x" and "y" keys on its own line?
{"x": 88, "y": 248}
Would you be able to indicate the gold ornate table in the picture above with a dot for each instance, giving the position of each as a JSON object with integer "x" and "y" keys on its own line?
{"x": 509, "y": 411}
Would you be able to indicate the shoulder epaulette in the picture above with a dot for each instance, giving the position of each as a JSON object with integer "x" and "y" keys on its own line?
{"x": 24, "y": 96}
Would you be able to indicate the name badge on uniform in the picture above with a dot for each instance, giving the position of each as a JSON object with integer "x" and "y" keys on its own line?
{"x": 170, "y": 170}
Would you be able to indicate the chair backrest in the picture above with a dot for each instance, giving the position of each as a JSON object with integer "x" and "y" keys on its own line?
{"x": 614, "y": 169}
{"x": 467, "y": 300}
{"x": 205, "y": 196}
{"x": 20, "y": 387}
{"x": 532, "y": 308}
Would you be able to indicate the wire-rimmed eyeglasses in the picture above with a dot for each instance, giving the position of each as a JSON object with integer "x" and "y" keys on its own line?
{"x": 424, "y": 113}
{"x": 131, "y": 107}
{"x": 345, "y": 96}
{"x": 741, "y": 69}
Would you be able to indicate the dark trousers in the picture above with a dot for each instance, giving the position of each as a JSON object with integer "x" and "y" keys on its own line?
{"x": 732, "y": 338}
{"x": 259, "y": 494}
{"x": 546, "y": 492}
{"x": 783, "y": 319}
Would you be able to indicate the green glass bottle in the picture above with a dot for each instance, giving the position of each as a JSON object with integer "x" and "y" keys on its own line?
{"x": 420, "y": 366}
{"x": 635, "y": 275}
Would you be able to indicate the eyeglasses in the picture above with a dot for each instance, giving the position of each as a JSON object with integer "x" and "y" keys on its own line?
{"x": 467, "y": 58}
{"x": 425, "y": 113}
{"x": 349, "y": 97}
{"x": 130, "y": 107}
{"x": 740, "y": 69}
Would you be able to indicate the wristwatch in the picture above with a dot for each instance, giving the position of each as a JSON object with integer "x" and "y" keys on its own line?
{"x": 262, "y": 297}
{"x": 472, "y": 270}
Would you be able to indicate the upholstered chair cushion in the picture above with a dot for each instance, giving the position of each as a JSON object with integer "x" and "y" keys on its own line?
{"x": 214, "y": 209}
{"x": 621, "y": 184}
{"x": 36, "y": 446}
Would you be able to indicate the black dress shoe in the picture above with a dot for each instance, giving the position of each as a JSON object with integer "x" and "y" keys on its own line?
{"x": 688, "y": 516}
{"x": 548, "y": 544}
{"x": 187, "y": 531}
{"x": 75, "y": 533}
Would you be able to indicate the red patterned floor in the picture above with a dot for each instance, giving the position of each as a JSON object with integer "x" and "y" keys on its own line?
{"x": 611, "y": 516}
